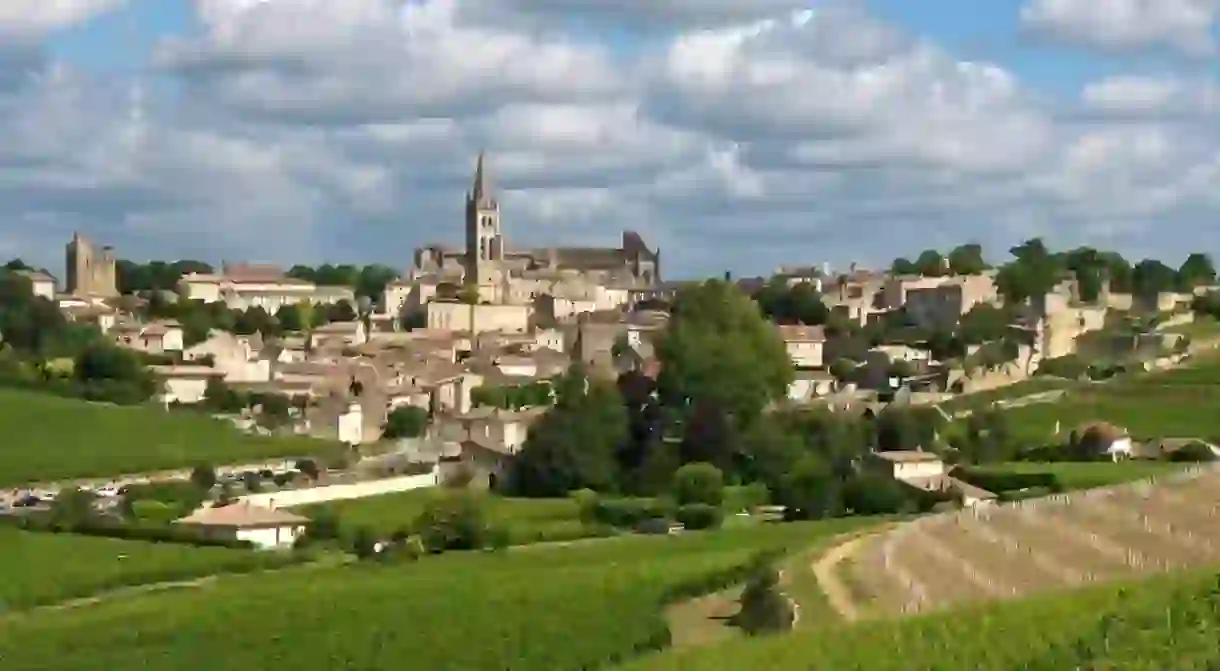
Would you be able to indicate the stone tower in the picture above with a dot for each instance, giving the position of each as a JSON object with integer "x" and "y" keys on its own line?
{"x": 90, "y": 271}
{"x": 484, "y": 237}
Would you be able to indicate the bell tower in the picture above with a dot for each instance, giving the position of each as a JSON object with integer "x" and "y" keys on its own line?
{"x": 484, "y": 237}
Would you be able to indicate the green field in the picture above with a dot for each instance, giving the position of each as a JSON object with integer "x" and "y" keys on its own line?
{"x": 983, "y": 399}
{"x": 1168, "y": 622}
{"x": 525, "y": 520}
{"x": 1086, "y": 475}
{"x": 43, "y": 568}
{"x": 51, "y": 438}
{"x": 554, "y": 608}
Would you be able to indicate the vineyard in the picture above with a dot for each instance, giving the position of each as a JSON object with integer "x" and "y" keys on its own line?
{"x": 1066, "y": 540}
{"x": 49, "y": 438}
{"x": 580, "y": 606}
{"x": 42, "y": 568}
{"x": 1105, "y": 553}
{"x": 1168, "y": 622}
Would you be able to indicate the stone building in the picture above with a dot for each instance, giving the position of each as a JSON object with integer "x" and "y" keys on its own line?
{"x": 486, "y": 259}
{"x": 90, "y": 270}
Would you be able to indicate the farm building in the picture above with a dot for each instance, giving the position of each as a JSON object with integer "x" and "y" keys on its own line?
{"x": 265, "y": 528}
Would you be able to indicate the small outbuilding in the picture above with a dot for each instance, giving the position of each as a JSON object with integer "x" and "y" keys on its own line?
{"x": 265, "y": 528}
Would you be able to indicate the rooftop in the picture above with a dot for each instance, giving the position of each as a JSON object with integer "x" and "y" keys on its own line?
{"x": 242, "y": 516}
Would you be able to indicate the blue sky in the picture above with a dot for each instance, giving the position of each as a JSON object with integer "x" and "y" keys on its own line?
{"x": 306, "y": 131}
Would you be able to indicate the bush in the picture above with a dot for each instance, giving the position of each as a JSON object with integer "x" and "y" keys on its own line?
{"x": 1192, "y": 452}
{"x": 748, "y": 497}
{"x": 453, "y": 522}
{"x": 627, "y": 513}
{"x": 1003, "y": 482}
{"x": 764, "y": 607}
{"x": 699, "y": 483}
{"x": 135, "y": 533}
{"x": 697, "y": 516}
{"x": 586, "y": 501}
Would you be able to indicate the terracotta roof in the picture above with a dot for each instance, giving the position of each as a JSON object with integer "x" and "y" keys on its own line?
{"x": 791, "y": 333}
{"x": 242, "y": 516}
{"x": 253, "y": 272}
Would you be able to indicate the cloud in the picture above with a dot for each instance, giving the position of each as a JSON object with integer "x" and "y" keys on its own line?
{"x": 1184, "y": 25}
{"x": 310, "y": 130}
{"x": 1144, "y": 96}
{"x": 34, "y": 18}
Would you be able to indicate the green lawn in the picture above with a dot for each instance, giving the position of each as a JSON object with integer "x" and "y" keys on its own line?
{"x": 1086, "y": 475}
{"x": 553, "y": 608}
{"x": 1200, "y": 328}
{"x": 42, "y": 568}
{"x": 1167, "y": 622}
{"x": 51, "y": 438}
{"x": 526, "y": 520}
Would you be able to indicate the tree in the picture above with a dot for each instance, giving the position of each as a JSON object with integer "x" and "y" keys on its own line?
{"x": 291, "y": 318}
{"x": 967, "y": 259}
{"x": 203, "y": 476}
{"x": 718, "y": 350}
{"x": 764, "y": 607}
{"x": 984, "y": 323}
{"x": 574, "y": 444}
{"x": 1152, "y": 277}
{"x": 73, "y": 507}
{"x": 930, "y": 263}
{"x": 342, "y": 311}
{"x": 699, "y": 483}
{"x": 709, "y": 436}
{"x": 903, "y": 266}
{"x": 1033, "y": 272}
{"x": 309, "y": 468}
{"x": 406, "y": 421}
{"x": 807, "y": 305}
{"x": 1197, "y": 270}
{"x": 810, "y": 489}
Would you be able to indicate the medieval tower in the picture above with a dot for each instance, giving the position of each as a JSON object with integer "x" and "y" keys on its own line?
{"x": 90, "y": 271}
{"x": 484, "y": 237}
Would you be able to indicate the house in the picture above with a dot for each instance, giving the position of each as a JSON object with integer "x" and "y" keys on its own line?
{"x": 484, "y": 466}
{"x": 265, "y": 528}
{"x": 231, "y": 355}
{"x": 347, "y": 334}
{"x": 810, "y": 384}
{"x": 503, "y": 431}
{"x": 159, "y": 337}
{"x": 926, "y": 471}
{"x": 243, "y": 286}
{"x": 184, "y": 384}
{"x": 805, "y": 344}
{"x": 42, "y": 284}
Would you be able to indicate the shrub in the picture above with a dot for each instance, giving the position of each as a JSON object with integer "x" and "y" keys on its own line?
{"x": 998, "y": 482}
{"x": 699, "y": 483}
{"x": 586, "y": 502}
{"x": 627, "y": 513}
{"x": 699, "y": 516}
{"x": 1192, "y": 452}
{"x": 764, "y": 607}
{"x": 453, "y": 522}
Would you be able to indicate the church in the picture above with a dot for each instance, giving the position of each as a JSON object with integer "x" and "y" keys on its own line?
{"x": 503, "y": 275}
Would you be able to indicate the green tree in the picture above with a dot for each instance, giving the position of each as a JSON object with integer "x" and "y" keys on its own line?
{"x": 73, "y": 507}
{"x": 453, "y": 521}
{"x": 699, "y": 483}
{"x": 291, "y": 318}
{"x": 574, "y": 444}
{"x": 903, "y": 266}
{"x": 1196, "y": 270}
{"x": 1033, "y": 272}
{"x": 342, "y": 311}
{"x": 406, "y": 421}
{"x": 807, "y": 306}
{"x": 764, "y": 609}
{"x": 203, "y": 476}
{"x": 718, "y": 350}
{"x": 930, "y": 263}
{"x": 372, "y": 280}
{"x": 1152, "y": 277}
{"x": 810, "y": 490}
{"x": 967, "y": 259}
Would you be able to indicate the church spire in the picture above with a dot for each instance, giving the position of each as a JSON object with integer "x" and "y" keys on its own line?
{"x": 480, "y": 192}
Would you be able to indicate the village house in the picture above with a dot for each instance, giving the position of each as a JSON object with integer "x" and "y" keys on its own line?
{"x": 184, "y": 384}
{"x": 264, "y": 528}
{"x": 159, "y": 337}
{"x": 938, "y": 303}
{"x": 503, "y": 431}
{"x": 231, "y": 355}
{"x": 927, "y": 471}
{"x": 342, "y": 334}
{"x": 243, "y": 286}
{"x": 42, "y": 284}
{"x": 805, "y": 344}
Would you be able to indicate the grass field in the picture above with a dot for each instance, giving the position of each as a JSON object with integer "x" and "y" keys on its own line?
{"x": 1086, "y": 475}
{"x": 551, "y": 608}
{"x": 51, "y": 438}
{"x": 983, "y": 399}
{"x": 525, "y": 520}
{"x": 43, "y": 568}
{"x": 1168, "y": 622}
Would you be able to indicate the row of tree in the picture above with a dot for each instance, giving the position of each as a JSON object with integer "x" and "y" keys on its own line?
{"x": 199, "y": 318}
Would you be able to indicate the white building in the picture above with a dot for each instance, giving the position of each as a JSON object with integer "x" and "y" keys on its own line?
{"x": 184, "y": 384}
{"x": 244, "y": 286}
{"x": 265, "y": 528}
{"x": 41, "y": 283}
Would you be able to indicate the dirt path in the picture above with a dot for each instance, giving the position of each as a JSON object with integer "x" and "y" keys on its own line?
{"x": 826, "y": 571}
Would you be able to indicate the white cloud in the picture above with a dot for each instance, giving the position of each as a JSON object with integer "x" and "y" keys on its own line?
{"x": 308, "y": 130}
{"x": 1185, "y": 25}
{"x": 38, "y": 17}
{"x": 1141, "y": 95}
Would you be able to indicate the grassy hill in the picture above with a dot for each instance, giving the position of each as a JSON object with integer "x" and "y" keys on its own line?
{"x": 51, "y": 438}
{"x": 547, "y": 608}
{"x": 43, "y": 568}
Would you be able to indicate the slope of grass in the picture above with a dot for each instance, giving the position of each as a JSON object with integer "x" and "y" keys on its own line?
{"x": 525, "y": 520}
{"x": 1168, "y": 622}
{"x": 51, "y": 438}
{"x": 983, "y": 399}
{"x": 549, "y": 609}
{"x": 43, "y": 568}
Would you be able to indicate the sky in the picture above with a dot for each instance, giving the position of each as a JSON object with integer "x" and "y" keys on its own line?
{"x": 732, "y": 134}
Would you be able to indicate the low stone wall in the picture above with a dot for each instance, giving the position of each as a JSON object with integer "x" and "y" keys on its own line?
{"x": 359, "y": 490}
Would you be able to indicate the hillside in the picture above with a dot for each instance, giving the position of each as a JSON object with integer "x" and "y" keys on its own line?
{"x": 50, "y": 438}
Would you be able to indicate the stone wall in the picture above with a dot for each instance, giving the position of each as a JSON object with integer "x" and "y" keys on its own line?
{"x": 359, "y": 490}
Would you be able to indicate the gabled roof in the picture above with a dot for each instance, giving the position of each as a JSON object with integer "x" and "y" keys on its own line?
{"x": 242, "y": 516}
